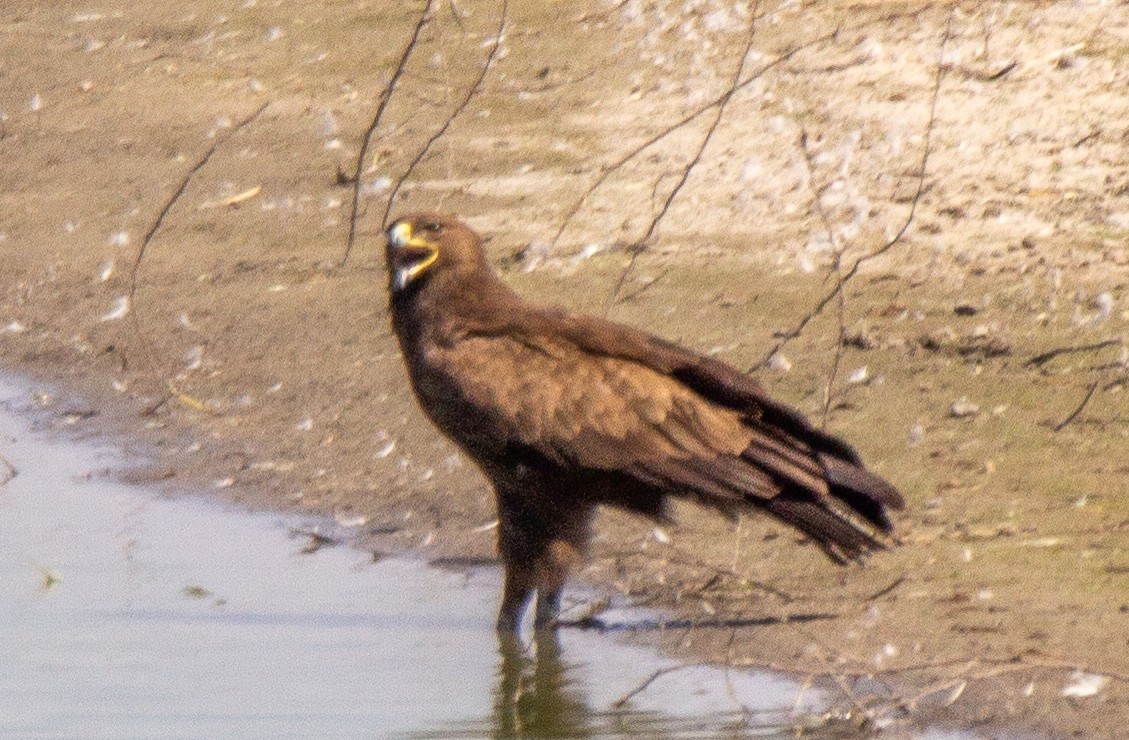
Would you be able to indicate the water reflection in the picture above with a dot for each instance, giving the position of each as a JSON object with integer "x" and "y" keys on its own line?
{"x": 540, "y": 693}
{"x": 535, "y": 695}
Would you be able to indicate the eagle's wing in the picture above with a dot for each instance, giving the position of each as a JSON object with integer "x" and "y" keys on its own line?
{"x": 592, "y": 394}
{"x": 785, "y": 437}
{"x": 713, "y": 379}
{"x": 544, "y": 388}
{"x": 576, "y": 407}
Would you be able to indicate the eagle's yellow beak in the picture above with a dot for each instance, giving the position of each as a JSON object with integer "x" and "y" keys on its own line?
{"x": 408, "y": 255}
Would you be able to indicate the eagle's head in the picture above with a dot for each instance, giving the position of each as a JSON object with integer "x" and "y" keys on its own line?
{"x": 421, "y": 243}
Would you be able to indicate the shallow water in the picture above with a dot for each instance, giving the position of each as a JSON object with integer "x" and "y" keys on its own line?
{"x": 124, "y": 613}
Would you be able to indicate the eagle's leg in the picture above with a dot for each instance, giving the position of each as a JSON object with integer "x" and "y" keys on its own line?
{"x": 518, "y": 588}
{"x": 548, "y": 609}
{"x": 519, "y": 548}
{"x": 538, "y": 545}
{"x": 553, "y": 566}
{"x": 527, "y": 569}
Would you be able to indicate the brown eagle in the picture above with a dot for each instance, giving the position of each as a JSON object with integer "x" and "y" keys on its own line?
{"x": 564, "y": 413}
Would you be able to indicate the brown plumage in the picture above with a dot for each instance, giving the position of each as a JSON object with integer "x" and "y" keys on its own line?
{"x": 564, "y": 413}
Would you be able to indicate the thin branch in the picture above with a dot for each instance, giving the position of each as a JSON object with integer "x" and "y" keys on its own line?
{"x": 644, "y": 288}
{"x": 1074, "y": 414}
{"x": 606, "y": 172}
{"x": 728, "y": 666}
{"x": 8, "y": 471}
{"x": 679, "y": 556}
{"x": 474, "y": 90}
{"x": 987, "y": 669}
{"x": 888, "y": 589}
{"x": 840, "y": 348}
{"x": 837, "y": 268}
{"x": 868, "y": 669}
{"x": 172, "y": 199}
{"x": 1041, "y": 359}
{"x": 385, "y": 97}
{"x": 926, "y": 150}
{"x": 655, "y": 675}
{"x": 642, "y": 244}
{"x": 166, "y": 208}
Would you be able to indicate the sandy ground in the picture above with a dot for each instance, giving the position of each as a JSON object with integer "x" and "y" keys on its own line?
{"x": 174, "y": 256}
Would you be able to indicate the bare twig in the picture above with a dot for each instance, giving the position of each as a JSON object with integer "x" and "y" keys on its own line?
{"x": 837, "y": 268}
{"x": 607, "y": 170}
{"x": 723, "y": 103}
{"x": 471, "y": 92}
{"x": 888, "y": 589}
{"x": 926, "y": 150}
{"x": 168, "y": 204}
{"x": 728, "y": 665}
{"x": 179, "y": 191}
{"x": 1042, "y": 359}
{"x": 840, "y": 677}
{"x": 8, "y": 471}
{"x": 644, "y": 288}
{"x": 978, "y": 669}
{"x": 655, "y": 675}
{"x": 1074, "y": 414}
{"x": 682, "y": 558}
{"x": 385, "y": 97}
{"x": 457, "y": 14}
{"x": 840, "y": 344}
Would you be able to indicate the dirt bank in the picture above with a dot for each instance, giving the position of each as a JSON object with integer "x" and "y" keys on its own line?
{"x": 173, "y": 253}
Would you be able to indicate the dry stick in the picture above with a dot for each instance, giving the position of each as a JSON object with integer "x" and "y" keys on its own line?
{"x": 644, "y": 288}
{"x": 965, "y": 673}
{"x": 840, "y": 340}
{"x": 655, "y": 675}
{"x": 599, "y": 14}
{"x": 9, "y": 471}
{"x": 748, "y": 712}
{"x": 1042, "y": 359}
{"x": 169, "y": 203}
{"x": 841, "y": 284}
{"x": 457, "y": 15}
{"x": 1074, "y": 414}
{"x": 996, "y": 668}
{"x": 693, "y": 115}
{"x": 385, "y": 97}
{"x": 679, "y": 558}
{"x": 729, "y": 687}
{"x": 840, "y": 677}
{"x": 642, "y": 244}
{"x": 685, "y": 120}
{"x": 837, "y": 268}
{"x": 866, "y": 670}
{"x": 888, "y": 589}
{"x": 474, "y": 89}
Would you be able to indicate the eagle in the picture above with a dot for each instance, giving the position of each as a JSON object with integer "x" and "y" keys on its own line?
{"x": 564, "y": 413}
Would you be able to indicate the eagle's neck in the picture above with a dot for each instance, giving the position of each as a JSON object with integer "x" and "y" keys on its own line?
{"x": 447, "y": 304}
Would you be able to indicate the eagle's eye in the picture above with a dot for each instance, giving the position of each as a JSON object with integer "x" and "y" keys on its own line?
{"x": 432, "y": 227}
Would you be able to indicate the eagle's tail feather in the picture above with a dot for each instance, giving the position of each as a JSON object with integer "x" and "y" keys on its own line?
{"x": 827, "y": 497}
{"x": 841, "y": 539}
{"x": 837, "y": 503}
{"x": 862, "y": 491}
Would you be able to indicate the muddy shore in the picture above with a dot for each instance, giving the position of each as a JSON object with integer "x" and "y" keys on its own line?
{"x": 174, "y": 208}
